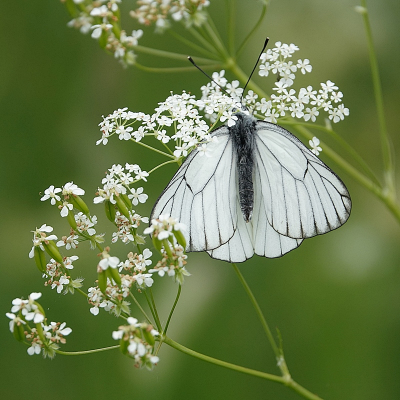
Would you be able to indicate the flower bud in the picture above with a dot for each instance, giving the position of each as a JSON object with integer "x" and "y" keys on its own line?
{"x": 40, "y": 258}
{"x": 157, "y": 243}
{"x": 114, "y": 274}
{"x": 180, "y": 238}
{"x": 71, "y": 220}
{"x": 123, "y": 346}
{"x": 126, "y": 200}
{"x": 139, "y": 239}
{"x": 40, "y": 332}
{"x": 79, "y": 204}
{"x": 147, "y": 336}
{"x": 52, "y": 251}
{"x": 122, "y": 207}
{"x": 102, "y": 280}
{"x": 103, "y": 39}
{"x": 167, "y": 248}
{"x": 19, "y": 332}
{"x": 110, "y": 210}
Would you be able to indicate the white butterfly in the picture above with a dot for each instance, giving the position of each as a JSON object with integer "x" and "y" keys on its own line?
{"x": 261, "y": 191}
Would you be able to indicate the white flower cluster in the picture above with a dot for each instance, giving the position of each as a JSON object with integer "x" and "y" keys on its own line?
{"x": 304, "y": 104}
{"x": 116, "y": 189}
{"x": 102, "y": 18}
{"x": 138, "y": 342}
{"x": 58, "y": 278}
{"x": 133, "y": 274}
{"x": 111, "y": 301}
{"x": 168, "y": 237}
{"x": 46, "y": 339}
{"x": 182, "y": 112}
{"x": 220, "y": 101}
{"x": 173, "y": 266}
{"x": 83, "y": 227}
{"x": 164, "y": 227}
{"x": 68, "y": 190}
{"x": 158, "y": 12}
{"x": 40, "y": 237}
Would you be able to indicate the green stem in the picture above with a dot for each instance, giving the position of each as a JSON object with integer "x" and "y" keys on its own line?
{"x": 204, "y": 42}
{"x": 194, "y": 46}
{"x": 215, "y": 37}
{"x": 154, "y": 149}
{"x": 256, "y": 26}
{"x": 385, "y": 141}
{"x": 168, "y": 54}
{"x": 173, "y": 308}
{"x": 287, "y": 381}
{"x": 80, "y": 353}
{"x": 278, "y": 353}
{"x": 152, "y": 311}
{"x": 173, "y": 70}
{"x": 81, "y": 292}
{"x": 140, "y": 308}
{"x": 157, "y": 319}
{"x": 231, "y": 11}
{"x": 161, "y": 165}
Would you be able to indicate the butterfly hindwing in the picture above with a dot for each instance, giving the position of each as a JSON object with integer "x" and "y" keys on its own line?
{"x": 302, "y": 196}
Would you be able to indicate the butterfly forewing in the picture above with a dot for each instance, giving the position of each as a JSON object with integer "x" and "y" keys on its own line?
{"x": 202, "y": 195}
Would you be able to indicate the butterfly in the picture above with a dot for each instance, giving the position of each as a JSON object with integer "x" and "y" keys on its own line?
{"x": 261, "y": 192}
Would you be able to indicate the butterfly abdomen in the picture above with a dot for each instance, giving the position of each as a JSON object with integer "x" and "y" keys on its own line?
{"x": 242, "y": 134}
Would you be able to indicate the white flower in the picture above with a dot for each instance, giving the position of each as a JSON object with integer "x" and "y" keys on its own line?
{"x": 70, "y": 188}
{"x": 124, "y": 133}
{"x": 66, "y": 207}
{"x": 311, "y": 113}
{"x": 51, "y": 193}
{"x": 98, "y": 30}
{"x": 203, "y": 150}
{"x": 137, "y": 196}
{"x": 304, "y": 66}
{"x": 34, "y": 349}
{"x": 111, "y": 262}
{"x": 314, "y": 144}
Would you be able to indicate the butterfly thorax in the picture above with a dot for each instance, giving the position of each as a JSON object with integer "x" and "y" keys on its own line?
{"x": 242, "y": 134}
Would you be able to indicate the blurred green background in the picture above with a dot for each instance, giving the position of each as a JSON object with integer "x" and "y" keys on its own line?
{"x": 335, "y": 300}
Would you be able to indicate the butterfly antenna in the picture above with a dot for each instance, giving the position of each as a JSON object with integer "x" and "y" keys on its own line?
{"x": 208, "y": 76}
{"x": 255, "y": 66}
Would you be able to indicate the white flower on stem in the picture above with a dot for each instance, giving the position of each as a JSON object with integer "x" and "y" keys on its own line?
{"x": 65, "y": 208}
{"x": 137, "y": 196}
{"x": 329, "y": 86}
{"x": 39, "y": 236}
{"x": 101, "y": 11}
{"x": 15, "y": 320}
{"x": 70, "y": 242}
{"x": 107, "y": 262}
{"x": 141, "y": 175}
{"x": 51, "y": 193}
{"x": 204, "y": 151}
{"x": 304, "y": 66}
{"x": 98, "y": 30}
{"x": 311, "y": 113}
{"x": 71, "y": 189}
{"x": 69, "y": 260}
{"x": 124, "y": 133}
{"x": 314, "y": 144}
{"x": 181, "y": 150}
{"x": 34, "y": 349}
